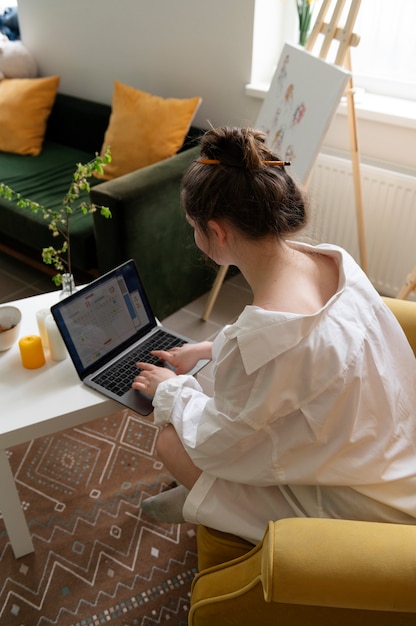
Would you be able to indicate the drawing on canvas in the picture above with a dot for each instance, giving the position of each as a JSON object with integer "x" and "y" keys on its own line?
{"x": 302, "y": 99}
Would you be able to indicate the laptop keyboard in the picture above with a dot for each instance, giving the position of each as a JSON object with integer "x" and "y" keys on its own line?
{"x": 119, "y": 377}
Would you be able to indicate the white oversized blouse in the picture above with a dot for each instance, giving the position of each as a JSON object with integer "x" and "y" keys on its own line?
{"x": 326, "y": 399}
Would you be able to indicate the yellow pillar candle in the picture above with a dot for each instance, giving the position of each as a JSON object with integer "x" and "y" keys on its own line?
{"x": 31, "y": 352}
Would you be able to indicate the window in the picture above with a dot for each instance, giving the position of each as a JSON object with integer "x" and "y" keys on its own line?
{"x": 383, "y": 63}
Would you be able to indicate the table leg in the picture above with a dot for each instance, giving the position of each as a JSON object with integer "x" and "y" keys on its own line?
{"x": 11, "y": 509}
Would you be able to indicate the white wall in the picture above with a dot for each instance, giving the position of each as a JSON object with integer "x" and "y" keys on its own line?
{"x": 172, "y": 48}
{"x": 384, "y": 139}
{"x": 179, "y": 48}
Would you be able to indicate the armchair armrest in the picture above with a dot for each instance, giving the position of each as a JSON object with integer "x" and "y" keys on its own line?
{"x": 317, "y": 572}
{"x": 340, "y": 563}
{"x": 405, "y": 311}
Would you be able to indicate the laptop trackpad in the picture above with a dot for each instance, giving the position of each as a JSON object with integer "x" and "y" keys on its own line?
{"x": 137, "y": 401}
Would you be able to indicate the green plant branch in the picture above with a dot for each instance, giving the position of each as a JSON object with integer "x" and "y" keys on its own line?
{"x": 60, "y": 219}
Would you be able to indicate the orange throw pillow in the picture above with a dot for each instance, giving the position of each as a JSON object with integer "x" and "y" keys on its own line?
{"x": 144, "y": 129}
{"x": 25, "y": 105}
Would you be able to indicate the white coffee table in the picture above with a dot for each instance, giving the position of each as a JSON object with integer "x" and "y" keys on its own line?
{"x": 36, "y": 403}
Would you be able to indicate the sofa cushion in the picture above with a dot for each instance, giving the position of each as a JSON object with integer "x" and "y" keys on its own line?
{"x": 144, "y": 129}
{"x": 25, "y": 105}
{"x": 45, "y": 179}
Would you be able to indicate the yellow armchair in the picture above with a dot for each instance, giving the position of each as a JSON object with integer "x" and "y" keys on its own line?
{"x": 311, "y": 572}
{"x": 405, "y": 311}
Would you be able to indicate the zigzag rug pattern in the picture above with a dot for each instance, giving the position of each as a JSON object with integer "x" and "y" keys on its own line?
{"x": 98, "y": 558}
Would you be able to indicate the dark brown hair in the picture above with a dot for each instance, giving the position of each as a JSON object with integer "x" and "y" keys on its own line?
{"x": 258, "y": 199}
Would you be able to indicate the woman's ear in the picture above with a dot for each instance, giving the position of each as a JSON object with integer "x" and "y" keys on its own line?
{"x": 218, "y": 232}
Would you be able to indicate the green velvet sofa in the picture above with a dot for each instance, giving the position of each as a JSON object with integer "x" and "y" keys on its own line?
{"x": 147, "y": 224}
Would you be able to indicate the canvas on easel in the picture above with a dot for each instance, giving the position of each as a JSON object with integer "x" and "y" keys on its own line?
{"x": 304, "y": 94}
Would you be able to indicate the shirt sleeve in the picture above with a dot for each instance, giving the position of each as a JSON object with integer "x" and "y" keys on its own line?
{"x": 213, "y": 430}
{"x": 173, "y": 397}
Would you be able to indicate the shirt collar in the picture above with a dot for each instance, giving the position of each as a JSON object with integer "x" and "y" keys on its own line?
{"x": 261, "y": 343}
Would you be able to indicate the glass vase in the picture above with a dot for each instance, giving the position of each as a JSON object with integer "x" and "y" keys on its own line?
{"x": 68, "y": 286}
{"x": 303, "y": 37}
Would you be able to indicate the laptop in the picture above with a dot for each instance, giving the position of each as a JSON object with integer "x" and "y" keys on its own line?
{"x": 108, "y": 326}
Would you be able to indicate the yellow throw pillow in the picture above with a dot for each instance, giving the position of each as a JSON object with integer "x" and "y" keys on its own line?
{"x": 25, "y": 105}
{"x": 144, "y": 129}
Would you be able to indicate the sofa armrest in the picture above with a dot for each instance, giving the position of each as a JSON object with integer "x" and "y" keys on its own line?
{"x": 132, "y": 198}
{"x": 148, "y": 224}
{"x": 124, "y": 189}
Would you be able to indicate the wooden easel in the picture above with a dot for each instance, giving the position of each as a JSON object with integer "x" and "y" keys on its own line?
{"x": 346, "y": 39}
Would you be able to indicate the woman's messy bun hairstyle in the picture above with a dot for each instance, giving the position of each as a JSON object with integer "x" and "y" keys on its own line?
{"x": 234, "y": 180}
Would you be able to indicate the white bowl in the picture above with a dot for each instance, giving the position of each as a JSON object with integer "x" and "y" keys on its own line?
{"x": 10, "y": 318}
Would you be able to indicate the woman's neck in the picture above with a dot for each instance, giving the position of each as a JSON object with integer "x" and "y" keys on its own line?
{"x": 263, "y": 263}
{"x": 287, "y": 278}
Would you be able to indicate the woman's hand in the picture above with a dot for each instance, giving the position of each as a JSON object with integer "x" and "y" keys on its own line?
{"x": 183, "y": 359}
{"x": 150, "y": 376}
{"x": 179, "y": 361}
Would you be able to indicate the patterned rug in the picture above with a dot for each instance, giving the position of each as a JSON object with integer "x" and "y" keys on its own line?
{"x": 98, "y": 558}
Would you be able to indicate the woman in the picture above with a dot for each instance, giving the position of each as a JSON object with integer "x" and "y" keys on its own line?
{"x": 313, "y": 409}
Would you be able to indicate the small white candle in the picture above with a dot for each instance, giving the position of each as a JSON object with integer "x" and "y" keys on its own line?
{"x": 57, "y": 347}
{"x": 40, "y": 318}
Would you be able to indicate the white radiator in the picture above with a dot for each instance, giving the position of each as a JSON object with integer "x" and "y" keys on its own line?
{"x": 389, "y": 200}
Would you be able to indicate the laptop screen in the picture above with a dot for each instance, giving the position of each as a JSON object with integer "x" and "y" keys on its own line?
{"x": 102, "y": 319}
